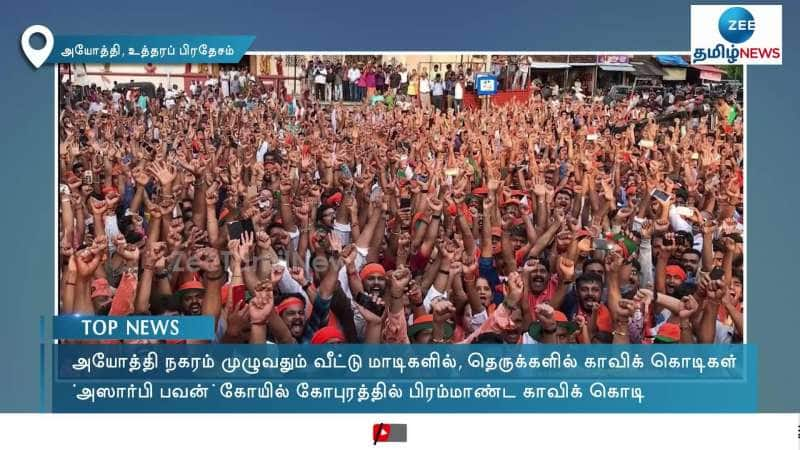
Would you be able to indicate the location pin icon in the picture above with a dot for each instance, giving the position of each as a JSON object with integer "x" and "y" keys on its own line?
{"x": 37, "y": 57}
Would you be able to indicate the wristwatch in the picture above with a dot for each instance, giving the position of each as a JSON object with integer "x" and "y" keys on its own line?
{"x": 163, "y": 274}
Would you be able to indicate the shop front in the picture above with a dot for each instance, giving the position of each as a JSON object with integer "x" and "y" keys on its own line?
{"x": 674, "y": 67}
{"x": 613, "y": 70}
{"x": 707, "y": 74}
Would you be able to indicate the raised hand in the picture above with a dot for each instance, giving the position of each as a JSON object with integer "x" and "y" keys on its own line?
{"x": 261, "y": 305}
{"x": 708, "y": 228}
{"x": 608, "y": 189}
{"x": 285, "y": 187}
{"x": 129, "y": 252}
{"x": 349, "y": 254}
{"x": 163, "y": 172}
{"x": 233, "y": 249}
{"x": 86, "y": 263}
{"x": 212, "y": 195}
{"x": 647, "y": 229}
{"x": 414, "y": 292}
{"x": 566, "y": 269}
{"x": 716, "y": 291}
{"x": 516, "y": 285}
{"x": 298, "y": 274}
{"x": 488, "y": 203}
{"x": 539, "y": 186}
{"x": 98, "y": 207}
{"x": 456, "y": 268}
{"x": 443, "y": 311}
{"x": 369, "y": 316}
{"x": 303, "y": 213}
{"x": 140, "y": 176}
{"x": 155, "y": 258}
{"x": 545, "y": 312}
{"x": 643, "y": 296}
{"x": 661, "y": 226}
{"x": 263, "y": 241}
{"x": 398, "y": 281}
{"x": 668, "y": 246}
{"x": 613, "y": 263}
{"x": 690, "y": 307}
{"x": 626, "y": 308}
{"x": 195, "y": 238}
{"x": 246, "y": 243}
{"x": 335, "y": 244}
{"x": 208, "y": 259}
{"x": 623, "y": 214}
{"x": 729, "y": 244}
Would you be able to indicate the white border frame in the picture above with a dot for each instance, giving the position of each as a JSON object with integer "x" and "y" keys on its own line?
{"x": 441, "y": 52}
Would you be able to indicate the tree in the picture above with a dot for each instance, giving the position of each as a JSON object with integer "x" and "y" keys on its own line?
{"x": 735, "y": 72}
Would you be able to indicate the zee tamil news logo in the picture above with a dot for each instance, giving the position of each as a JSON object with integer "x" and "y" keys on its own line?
{"x": 736, "y": 25}
{"x": 751, "y": 34}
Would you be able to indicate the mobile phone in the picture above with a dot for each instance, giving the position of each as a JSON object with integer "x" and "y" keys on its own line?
{"x": 451, "y": 172}
{"x": 88, "y": 178}
{"x": 405, "y": 203}
{"x": 660, "y": 195}
{"x": 370, "y": 305}
{"x": 628, "y": 292}
{"x": 235, "y": 230}
{"x": 684, "y": 211}
{"x": 237, "y": 295}
{"x": 346, "y": 171}
{"x": 601, "y": 244}
{"x": 646, "y": 143}
{"x": 592, "y": 137}
{"x": 64, "y": 189}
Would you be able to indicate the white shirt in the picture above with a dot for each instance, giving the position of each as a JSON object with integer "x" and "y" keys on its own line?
{"x": 459, "y": 91}
{"x": 353, "y": 74}
{"x": 404, "y": 77}
{"x": 169, "y": 98}
{"x": 95, "y": 107}
{"x": 319, "y": 78}
{"x": 262, "y": 151}
{"x": 424, "y": 86}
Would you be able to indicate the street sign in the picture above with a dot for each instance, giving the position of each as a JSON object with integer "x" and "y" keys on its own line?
{"x": 485, "y": 84}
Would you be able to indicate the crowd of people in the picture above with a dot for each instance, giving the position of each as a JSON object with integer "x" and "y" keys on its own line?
{"x": 372, "y": 82}
{"x": 555, "y": 220}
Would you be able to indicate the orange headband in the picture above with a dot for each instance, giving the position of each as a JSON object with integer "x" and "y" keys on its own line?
{"x": 372, "y": 269}
{"x": 676, "y": 271}
{"x": 287, "y": 302}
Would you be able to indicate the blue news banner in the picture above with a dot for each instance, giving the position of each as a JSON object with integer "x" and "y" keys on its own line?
{"x": 404, "y": 378}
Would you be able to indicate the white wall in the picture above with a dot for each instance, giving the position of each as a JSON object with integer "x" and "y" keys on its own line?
{"x": 167, "y": 74}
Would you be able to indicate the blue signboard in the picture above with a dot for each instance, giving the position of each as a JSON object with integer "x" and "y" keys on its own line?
{"x": 485, "y": 84}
